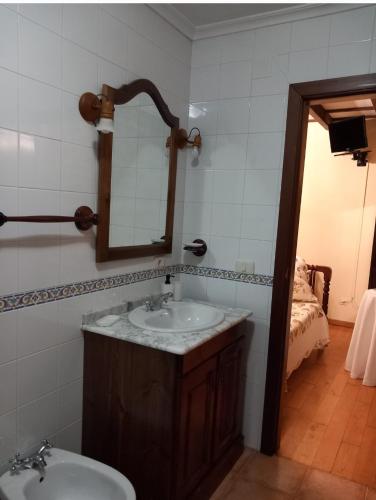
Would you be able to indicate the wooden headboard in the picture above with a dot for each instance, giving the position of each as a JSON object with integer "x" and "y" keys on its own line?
{"x": 327, "y": 272}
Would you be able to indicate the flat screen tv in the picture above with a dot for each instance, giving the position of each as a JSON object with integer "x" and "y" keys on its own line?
{"x": 348, "y": 134}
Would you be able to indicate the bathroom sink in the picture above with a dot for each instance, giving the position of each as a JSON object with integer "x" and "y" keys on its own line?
{"x": 177, "y": 317}
{"x": 68, "y": 476}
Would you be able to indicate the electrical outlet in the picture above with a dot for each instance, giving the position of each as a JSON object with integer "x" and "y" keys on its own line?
{"x": 249, "y": 267}
{"x": 240, "y": 266}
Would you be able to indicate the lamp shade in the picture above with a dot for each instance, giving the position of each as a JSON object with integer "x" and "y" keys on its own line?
{"x": 195, "y": 152}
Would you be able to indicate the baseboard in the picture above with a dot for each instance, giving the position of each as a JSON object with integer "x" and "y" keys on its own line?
{"x": 338, "y": 322}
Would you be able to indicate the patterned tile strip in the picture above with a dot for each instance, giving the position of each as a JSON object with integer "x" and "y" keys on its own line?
{"x": 212, "y": 272}
{"x": 26, "y": 299}
{"x": 41, "y": 296}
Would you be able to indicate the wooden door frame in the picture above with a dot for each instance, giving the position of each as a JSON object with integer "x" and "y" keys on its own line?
{"x": 300, "y": 95}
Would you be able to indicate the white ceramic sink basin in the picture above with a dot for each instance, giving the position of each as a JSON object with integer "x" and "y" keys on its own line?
{"x": 177, "y": 317}
{"x": 68, "y": 476}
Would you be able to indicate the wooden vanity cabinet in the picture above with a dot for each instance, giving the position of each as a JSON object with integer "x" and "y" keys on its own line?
{"x": 170, "y": 423}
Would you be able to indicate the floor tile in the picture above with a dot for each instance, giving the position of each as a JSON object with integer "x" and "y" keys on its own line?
{"x": 244, "y": 490}
{"x": 247, "y": 454}
{"x": 226, "y": 484}
{"x": 319, "y": 485}
{"x": 275, "y": 472}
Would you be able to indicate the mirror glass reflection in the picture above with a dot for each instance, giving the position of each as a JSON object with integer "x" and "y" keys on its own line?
{"x": 139, "y": 182}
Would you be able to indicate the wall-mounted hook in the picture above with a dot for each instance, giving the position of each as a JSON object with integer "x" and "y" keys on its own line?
{"x": 197, "y": 247}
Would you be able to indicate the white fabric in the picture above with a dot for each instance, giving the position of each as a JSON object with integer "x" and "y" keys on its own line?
{"x": 315, "y": 337}
{"x": 361, "y": 357}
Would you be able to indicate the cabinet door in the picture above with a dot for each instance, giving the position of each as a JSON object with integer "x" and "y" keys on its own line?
{"x": 196, "y": 425}
{"x": 230, "y": 397}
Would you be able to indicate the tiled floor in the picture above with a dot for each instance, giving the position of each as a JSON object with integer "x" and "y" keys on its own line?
{"x": 328, "y": 439}
{"x": 258, "y": 477}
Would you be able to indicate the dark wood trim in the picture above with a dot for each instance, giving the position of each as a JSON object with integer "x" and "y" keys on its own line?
{"x": 327, "y": 272}
{"x": 349, "y": 110}
{"x": 104, "y": 196}
{"x": 128, "y": 91}
{"x": 320, "y": 115}
{"x": 292, "y": 179}
{"x": 301, "y": 96}
{"x": 84, "y": 218}
{"x": 103, "y": 250}
{"x": 338, "y": 322}
{"x": 345, "y": 97}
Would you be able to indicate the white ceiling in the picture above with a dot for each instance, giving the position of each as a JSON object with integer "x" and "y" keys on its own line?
{"x": 207, "y": 13}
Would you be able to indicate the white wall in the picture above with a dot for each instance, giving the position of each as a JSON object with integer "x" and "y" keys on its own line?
{"x": 332, "y": 212}
{"x": 239, "y": 86}
{"x": 50, "y": 55}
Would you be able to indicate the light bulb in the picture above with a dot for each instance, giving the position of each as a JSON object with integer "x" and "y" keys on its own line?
{"x": 105, "y": 125}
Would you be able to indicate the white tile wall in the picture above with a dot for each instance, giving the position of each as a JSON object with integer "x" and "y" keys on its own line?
{"x": 8, "y": 39}
{"x": 310, "y": 34}
{"x": 40, "y": 53}
{"x": 49, "y": 15}
{"x": 49, "y": 55}
{"x": 9, "y": 111}
{"x": 340, "y": 55}
{"x": 239, "y": 87}
{"x": 8, "y": 157}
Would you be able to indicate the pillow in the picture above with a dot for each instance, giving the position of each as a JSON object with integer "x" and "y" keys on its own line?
{"x": 301, "y": 269}
{"x": 302, "y": 292}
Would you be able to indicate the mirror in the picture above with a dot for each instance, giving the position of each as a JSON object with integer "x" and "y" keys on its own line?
{"x": 137, "y": 174}
{"x": 139, "y": 180}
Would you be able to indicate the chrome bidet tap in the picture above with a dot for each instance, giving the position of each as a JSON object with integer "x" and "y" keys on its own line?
{"x": 35, "y": 461}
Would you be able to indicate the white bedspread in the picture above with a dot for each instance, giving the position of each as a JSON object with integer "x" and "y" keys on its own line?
{"x": 309, "y": 330}
{"x": 361, "y": 357}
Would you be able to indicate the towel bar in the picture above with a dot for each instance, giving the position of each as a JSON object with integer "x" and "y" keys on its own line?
{"x": 84, "y": 218}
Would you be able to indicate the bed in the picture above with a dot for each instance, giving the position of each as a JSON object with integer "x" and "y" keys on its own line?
{"x": 309, "y": 329}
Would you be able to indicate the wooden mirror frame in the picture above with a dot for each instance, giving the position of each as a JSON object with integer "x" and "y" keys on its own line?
{"x": 119, "y": 96}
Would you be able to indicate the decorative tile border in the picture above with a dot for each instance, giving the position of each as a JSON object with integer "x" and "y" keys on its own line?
{"x": 20, "y": 300}
{"x": 26, "y": 299}
{"x": 212, "y": 272}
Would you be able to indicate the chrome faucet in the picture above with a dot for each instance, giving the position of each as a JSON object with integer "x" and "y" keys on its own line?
{"x": 35, "y": 461}
{"x": 155, "y": 303}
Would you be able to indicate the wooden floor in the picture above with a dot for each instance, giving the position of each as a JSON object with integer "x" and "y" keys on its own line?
{"x": 329, "y": 419}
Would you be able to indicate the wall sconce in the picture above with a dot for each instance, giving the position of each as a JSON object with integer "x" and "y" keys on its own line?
{"x": 184, "y": 140}
{"x": 99, "y": 112}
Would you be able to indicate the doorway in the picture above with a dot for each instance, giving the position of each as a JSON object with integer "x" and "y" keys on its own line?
{"x": 301, "y": 97}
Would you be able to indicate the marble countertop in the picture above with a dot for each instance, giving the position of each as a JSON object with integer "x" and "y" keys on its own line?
{"x": 177, "y": 343}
